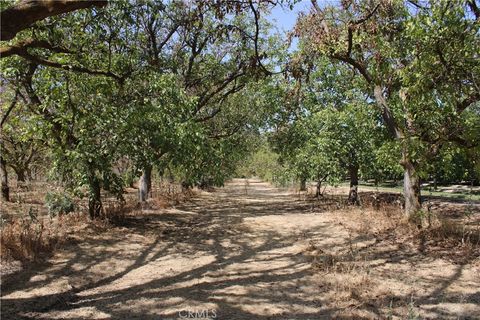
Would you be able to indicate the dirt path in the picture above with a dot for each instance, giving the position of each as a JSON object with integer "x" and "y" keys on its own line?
{"x": 243, "y": 252}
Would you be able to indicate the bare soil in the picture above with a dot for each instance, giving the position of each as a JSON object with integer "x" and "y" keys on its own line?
{"x": 249, "y": 251}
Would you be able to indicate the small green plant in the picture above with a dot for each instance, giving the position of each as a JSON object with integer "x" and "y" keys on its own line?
{"x": 59, "y": 203}
{"x": 129, "y": 178}
{"x": 33, "y": 214}
{"x": 390, "y": 311}
{"x": 412, "y": 314}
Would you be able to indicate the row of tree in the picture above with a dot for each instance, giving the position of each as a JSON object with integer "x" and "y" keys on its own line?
{"x": 373, "y": 88}
{"x": 160, "y": 86}
{"x": 410, "y": 67}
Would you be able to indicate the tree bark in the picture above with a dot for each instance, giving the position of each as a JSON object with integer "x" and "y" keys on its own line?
{"x": 26, "y": 12}
{"x": 94, "y": 199}
{"x": 353, "y": 193}
{"x": 145, "y": 183}
{"x": 303, "y": 184}
{"x": 411, "y": 189}
{"x": 21, "y": 177}
{"x": 411, "y": 181}
{"x": 3, "y": 163}
{"x": 4, "y": 178}
{"x": 319, "y": 188}
{"x": 387, "y": 114}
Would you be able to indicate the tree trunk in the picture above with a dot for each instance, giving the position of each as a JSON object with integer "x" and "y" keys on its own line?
{"x": 411, "y": 189}
{"x": 94, "y": 198}
{"x": 353, "y": 193}
{"x": 4, "y": 178}
{"x": 145, "y": 183}
{"x": 20, "y": 175}
{"x": 303, "y": 184}
{"x": 387, "y": 114}
{"x": 319, "y": 188}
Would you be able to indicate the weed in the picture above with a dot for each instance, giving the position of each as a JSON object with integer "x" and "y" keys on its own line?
{"x": 412, "y": 314}
{"x": 59, "y": 203}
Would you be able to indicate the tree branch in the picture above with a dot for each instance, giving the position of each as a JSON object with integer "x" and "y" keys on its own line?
{"x": 22, "y": 46}
{"x": 465, "y": 103}
{"x": 259, "y": 57}
{"x": 473, "y": 6}
{"x": 205, "y": 98}
{"x": 368, "y": 16}
{"x": 26, "y": 12}
{"x": 22, "y": 51}
{"x": 354, "y": 63}
{"x": 10, "y": 108}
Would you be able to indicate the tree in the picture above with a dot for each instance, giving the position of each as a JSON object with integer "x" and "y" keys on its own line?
{"x": 153, "y": 123}
{"x": 73, "y": 115}
{"x": 132, "y": 52}
{"x": 326, "y": 128}
{"x": 3, "y": 163}
{"x": 386, "y": 43}
{"x": 21, "y": 147}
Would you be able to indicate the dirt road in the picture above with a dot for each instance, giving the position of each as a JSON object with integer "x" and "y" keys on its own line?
{"x": 243, "y": 252}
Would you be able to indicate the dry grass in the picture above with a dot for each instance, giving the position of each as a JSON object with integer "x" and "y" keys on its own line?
{"x": 257, "y": 255}
{"x": 348, "y": 285}
{"x": 349, "y": 280}
{"x": 28, "y": 238}
{"x": 455, "y": 239}
{"x": 29, "y": 233}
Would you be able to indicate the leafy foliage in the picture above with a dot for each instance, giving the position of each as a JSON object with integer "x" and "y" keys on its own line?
{"x": 59, "y": 203}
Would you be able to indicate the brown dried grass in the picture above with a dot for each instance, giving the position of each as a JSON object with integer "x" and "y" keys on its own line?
{"x": 28, "y": 233}
{"x": 28, "y": 238}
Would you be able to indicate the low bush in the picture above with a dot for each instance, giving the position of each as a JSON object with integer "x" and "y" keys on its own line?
{"x": 59, "y": 203}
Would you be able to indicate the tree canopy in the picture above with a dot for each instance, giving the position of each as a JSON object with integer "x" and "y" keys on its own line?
{"x": 373, "y": 89}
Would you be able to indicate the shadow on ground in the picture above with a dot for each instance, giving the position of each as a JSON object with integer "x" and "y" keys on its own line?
{"x": 238, "y": 253}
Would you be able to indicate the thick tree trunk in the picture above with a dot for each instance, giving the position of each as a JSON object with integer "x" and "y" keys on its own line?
{"x": 4, "y": 178}
{"x": 20, "y": 175}
{"x": 353, "y": 193}
{"x": 411, "y": 190}
{"x": 303, "y": 184}
{"x": 145, "y": 183}
{"x": 94, "y": 199}
{"x": 411, "y": 181}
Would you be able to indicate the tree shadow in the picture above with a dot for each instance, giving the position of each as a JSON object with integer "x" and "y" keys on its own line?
{"x": 200, "y": 255}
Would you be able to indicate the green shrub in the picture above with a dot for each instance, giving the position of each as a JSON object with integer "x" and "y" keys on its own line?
{"x": 59, "y": 203}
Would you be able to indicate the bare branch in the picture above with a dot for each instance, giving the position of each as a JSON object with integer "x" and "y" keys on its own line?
{"x": 474, "y": 7}
{"x": 316, "y": 6}
{"x": 259, "y": 57}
